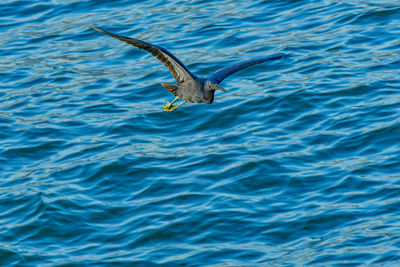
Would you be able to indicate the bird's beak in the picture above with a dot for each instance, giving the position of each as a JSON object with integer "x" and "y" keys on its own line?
{"x": 217, "y": 87}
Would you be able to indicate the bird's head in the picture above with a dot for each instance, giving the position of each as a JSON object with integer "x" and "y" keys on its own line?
{"x": 213, "y": 86}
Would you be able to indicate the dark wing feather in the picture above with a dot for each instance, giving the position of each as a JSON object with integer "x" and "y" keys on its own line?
{"x": 221, "y": 74}
{"x": 174, "y": 65}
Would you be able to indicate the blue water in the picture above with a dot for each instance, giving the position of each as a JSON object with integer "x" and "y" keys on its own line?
{"x": 298, "y": 164}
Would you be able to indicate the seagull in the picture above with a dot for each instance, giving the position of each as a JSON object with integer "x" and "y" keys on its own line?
{"x": 190, "y": 88}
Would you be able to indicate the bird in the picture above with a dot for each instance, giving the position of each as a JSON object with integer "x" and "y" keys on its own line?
{"x": 189, "y": 88}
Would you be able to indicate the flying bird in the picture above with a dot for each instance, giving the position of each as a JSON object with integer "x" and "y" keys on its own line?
{"x": 190, "y": 87}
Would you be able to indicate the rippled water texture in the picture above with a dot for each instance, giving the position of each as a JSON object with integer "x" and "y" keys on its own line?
{"x": 297, "y": 164}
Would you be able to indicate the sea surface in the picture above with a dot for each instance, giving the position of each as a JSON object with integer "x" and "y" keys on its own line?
{"x": 298, "y": 164}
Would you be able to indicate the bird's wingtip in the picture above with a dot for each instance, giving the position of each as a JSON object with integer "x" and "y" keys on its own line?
{"x": 277, "y": 56}
{"x": 96, "y": 29}
{"x": 283, "y": 56}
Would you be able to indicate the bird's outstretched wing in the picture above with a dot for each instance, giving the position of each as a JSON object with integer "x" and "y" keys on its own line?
{"x": 221, "y": 74}
{"x": 174, "y": 65}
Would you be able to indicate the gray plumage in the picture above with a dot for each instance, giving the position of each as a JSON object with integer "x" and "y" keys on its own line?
{"x": 190, "y": 87}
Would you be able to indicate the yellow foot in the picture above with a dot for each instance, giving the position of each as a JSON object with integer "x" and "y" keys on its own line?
{"x": 169, "y": 107}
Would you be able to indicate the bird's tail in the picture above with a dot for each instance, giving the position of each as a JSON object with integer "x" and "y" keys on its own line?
{"x": 172, "y": 88}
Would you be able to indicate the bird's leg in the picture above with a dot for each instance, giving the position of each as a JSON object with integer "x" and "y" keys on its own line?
{"x": 168, "y": 105}
{"x": 173, "y": 108}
